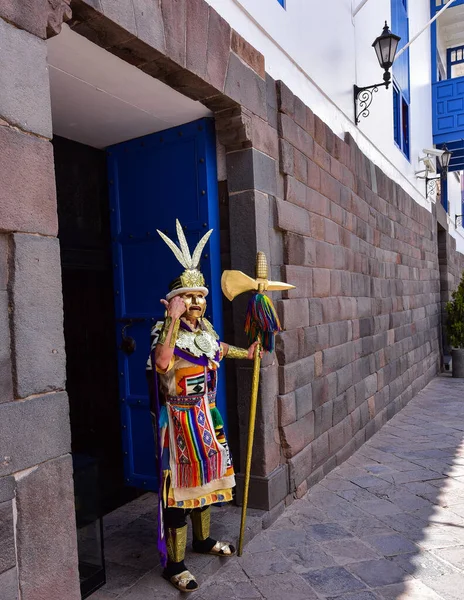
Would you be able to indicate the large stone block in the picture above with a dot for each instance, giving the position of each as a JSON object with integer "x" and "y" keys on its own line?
{"x": 296, "y": 135}
{"x": 323, "y": 418}
{"x": 249, "y": 230}
{"x": 285, "y": 99}
{"x": 301, "y": 278}
{"x": 197, "y": 36}
{"x": 248, "y": 54}
{"x": 27, "y": 193}
{"x": 287, "y": 409}
{"x": 251, "y": 169}
{"x": 217, "y": 58}
{"x": 304, "y": 400}
{"x": 149, "y": 23}
{"x": 246, "y": 87}
{"x": 25, "y": 90}
{"x": 38, "y": 344}
{"x": 301, "y": 166}
{"x": 321, "y": 283}
{"x": 294, "y": 313}
{"x": 288, "y": 346}
{"x": 33, "y": 431}
{"x": 265, "y": 492}
{"x": 9, "y": 585}
{"x": 320, "y": 391}
{"x": 299, "y": 250}
{"x": 316, "y": 316}
{"x": 297, "y": 435}
{"x": 266, "y": 455}
{"x": 338, "y": 357}
{"x": 300, "y": 467}
{"x": 286, "y": 157}
{"x": 3, "y": 262}
{"x": 340, "y": 408}
{"x": 344, "y": 378}
{"x": 121, "y": 13}
{"x": 33, "y": 15}
{"x": 7, "y": 542}
{"x": 46, "y": 533}
{"x": 264, "y": 137}
{"x": 295, "y": 191}
{"x": 7, "y": 488}
{"x": 175, "y": 26}
{"x": 320, "y": 450}
{"x": 293, "y": 218}
{"x": 6, "y": 380}
{"x": 296, "y": 375}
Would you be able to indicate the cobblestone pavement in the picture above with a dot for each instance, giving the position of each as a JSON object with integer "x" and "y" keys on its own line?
{"x": 388, "y": 524}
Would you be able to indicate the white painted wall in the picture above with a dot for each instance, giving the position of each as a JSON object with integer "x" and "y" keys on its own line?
{"x": 455, "y": 208}
{"x": 319, "y": 50}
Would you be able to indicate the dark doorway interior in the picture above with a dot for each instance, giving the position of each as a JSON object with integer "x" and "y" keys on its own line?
{"x": 442, "y": 240}
{"x": 92, "y": 377}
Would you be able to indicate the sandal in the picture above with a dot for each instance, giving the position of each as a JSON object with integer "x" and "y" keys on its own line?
{"x": 222, "y": 549}
{"x": 182, "y": 580}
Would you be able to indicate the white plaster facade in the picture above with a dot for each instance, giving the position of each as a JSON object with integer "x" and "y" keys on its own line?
{"x": 320, "y": 50}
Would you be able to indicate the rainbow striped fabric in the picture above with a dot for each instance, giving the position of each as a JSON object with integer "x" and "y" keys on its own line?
{"x": 196, "y": 455}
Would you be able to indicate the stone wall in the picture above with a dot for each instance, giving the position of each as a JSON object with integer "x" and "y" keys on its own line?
{"x": 38, "y": 553}
{"x": 362, "y": 327}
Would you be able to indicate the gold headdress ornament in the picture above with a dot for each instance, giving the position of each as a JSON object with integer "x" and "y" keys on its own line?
{"x": 191, "y": 279}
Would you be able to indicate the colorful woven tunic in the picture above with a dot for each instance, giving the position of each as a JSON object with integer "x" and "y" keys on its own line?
{"x": 196, "y": 463}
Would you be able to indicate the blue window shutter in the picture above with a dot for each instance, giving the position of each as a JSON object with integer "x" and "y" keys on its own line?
{"x": 281, "y": 2}
{"x": 405, "y": 126}
{"x": 400, "y": 26}
{"x": 396, "y": 116}
{"x": 462, "y": 201}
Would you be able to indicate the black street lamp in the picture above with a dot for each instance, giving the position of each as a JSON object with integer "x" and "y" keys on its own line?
{"x": 431, "y": 182}
{"x": 444, "y": 160}
{"x": 385, "y": 47}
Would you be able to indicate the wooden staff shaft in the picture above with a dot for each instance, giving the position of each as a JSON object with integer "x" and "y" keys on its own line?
{"x": 251, "y": 435}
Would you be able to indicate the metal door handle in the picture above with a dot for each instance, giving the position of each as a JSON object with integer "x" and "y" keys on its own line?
{"x": 128, "y": 344}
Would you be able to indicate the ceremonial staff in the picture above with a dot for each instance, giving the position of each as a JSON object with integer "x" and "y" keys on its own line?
{"x": 261, "y": 325}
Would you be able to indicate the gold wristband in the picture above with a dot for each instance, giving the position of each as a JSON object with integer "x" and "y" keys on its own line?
{"x": 235, "y": 352}
{"x": 164, "y": 332}
{"x": 175, "y": 331}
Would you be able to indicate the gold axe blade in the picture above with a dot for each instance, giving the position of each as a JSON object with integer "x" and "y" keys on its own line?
{"x": 234, "y": 283}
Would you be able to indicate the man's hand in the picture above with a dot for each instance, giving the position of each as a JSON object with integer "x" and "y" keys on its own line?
{"x": 175, "y": 307}
{"x": 251, "y": 351}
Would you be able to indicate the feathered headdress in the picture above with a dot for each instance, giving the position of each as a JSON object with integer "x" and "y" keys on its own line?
{"x": 191, "y": 279}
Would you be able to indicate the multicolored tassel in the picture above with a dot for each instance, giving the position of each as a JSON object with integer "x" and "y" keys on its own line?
{"x": 262, "y": 320}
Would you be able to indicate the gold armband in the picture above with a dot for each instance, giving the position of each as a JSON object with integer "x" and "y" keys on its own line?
{"x": 164, "y": 332}
{"x": 235, "y": 352}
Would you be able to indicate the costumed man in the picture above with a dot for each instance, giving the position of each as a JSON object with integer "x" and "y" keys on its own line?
{"x": 194, "y": 462}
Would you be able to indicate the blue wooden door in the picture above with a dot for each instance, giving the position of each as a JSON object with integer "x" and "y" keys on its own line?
{"x": 154, "y": 180}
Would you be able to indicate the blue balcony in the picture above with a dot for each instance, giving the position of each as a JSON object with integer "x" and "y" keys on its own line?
{"x": 448, "y": 110}
{"x": 448, "y": 80}
{"x": 448, "y": 118}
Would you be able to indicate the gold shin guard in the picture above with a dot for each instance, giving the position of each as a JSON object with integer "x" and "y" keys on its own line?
{"x": 201, "y": 520}
{"x": 176, "y": 541}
